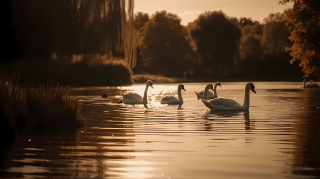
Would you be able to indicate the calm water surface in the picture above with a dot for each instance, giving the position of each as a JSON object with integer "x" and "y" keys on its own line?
{"x": 278, "y": 138}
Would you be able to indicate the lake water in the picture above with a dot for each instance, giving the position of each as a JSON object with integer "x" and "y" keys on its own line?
{"x": 278, "y": 138}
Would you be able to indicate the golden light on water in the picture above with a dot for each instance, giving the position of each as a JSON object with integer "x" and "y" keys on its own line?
{"x": 156, "y": 90}
{"x": 137, "y": 169}
{"x": 133, "y": 175}
{"x": 154, "y": 94}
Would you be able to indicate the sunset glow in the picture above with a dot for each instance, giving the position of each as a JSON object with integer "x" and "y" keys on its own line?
{"x": 189, "y": 10}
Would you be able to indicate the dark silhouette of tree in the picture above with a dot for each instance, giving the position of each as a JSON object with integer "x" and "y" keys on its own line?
{"x": 245, "y": 21}
{"x": 255, "y": 28}
{"x": 217, "y": 41}
{"x": 304, "y": 23}
{"x": 275, "y": 34}
{"x": 250, "y": 47}
{"x": 165, "y": 44}
{"x": 69, "y": 27}
{"x": 9, "y": 49}
{"x": 262, "y": 51}
{"x": 140, "y": 18}
{"x": 32, "y": 20}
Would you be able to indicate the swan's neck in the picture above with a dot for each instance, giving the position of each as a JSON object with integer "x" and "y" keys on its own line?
{"x": 246, "y": 102}
{"x": 179, "y": 94}
{"x": 215, "y": 90}
{"x": 205, "y": 94}
{"x": 304, "y": 83}
{"x": 145, "y": 97}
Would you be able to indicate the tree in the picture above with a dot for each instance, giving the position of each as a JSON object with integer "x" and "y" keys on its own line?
{"x": 9, "y": 49}
{"x": 245, "y": 21}
{"x": 140, "y": 19}
{"x": 275, "y": 34}
{"x": 68, "y": 27}
{"x": 303, "y": 21}
{"x": 217, "y": 41}
{"x": 165, "y": 45}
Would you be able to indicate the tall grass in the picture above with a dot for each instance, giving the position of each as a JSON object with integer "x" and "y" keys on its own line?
{"x": 41, "y": 108}
{"x": 10, "y": 95}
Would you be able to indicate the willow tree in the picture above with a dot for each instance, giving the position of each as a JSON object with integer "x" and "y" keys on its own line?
{"x": 82, "y": 27}
{"x": 304, "y": 23}
{"x": 107, "y": 28}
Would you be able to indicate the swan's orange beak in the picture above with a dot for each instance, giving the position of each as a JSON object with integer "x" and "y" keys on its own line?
{"x": 151, "y": 86}
{"x": 183, "y": 89}
{"x": 252, "y": 89}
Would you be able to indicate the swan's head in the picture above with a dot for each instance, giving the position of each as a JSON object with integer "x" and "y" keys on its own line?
{"x": 181, "y": 87}
{"x": 251, "y": 87}
{"x": 219, "y": 84}
{"x": 209, "y": 86}
{"x": 150, "y": 83}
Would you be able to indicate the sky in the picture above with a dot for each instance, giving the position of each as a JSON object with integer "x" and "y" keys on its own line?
{"x": 188, "y": 10}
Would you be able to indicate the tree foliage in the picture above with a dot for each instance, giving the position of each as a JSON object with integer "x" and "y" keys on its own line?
{"x": 165, "y": 44}
{"x": 304, "y": 23}
{"x": 140, "y": 19}
{"x": 69, "y": 27}
{"x": 275, "y": 34}
{"x": 217, "y": 40}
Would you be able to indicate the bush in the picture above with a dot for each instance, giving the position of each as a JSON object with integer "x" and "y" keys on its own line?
{"x": 83, "y": 73}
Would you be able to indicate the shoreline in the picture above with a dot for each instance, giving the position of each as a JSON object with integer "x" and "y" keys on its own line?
{"x": 142, "y": 78}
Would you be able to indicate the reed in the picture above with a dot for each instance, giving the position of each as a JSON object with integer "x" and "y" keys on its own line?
{"x": 40, "y": 108}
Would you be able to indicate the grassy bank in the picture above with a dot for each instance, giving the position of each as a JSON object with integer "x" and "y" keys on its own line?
{"x": 43, "y": 108}
{"x": 82, "y": 73}
{"x": 142, "y": 78}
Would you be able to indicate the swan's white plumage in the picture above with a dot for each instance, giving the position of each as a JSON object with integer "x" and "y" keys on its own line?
{"x": 169, "y": 98}
{"x": 173, "y": 99}
{"x": 310, "y": 85}
{"x": 134, "y": 98}
{"x": 210, "y": 95}
{"x": 223, "y": 104}
{"x": 200, "y": 95}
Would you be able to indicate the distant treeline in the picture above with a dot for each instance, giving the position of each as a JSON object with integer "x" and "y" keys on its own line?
{"x": 214, "y": 46}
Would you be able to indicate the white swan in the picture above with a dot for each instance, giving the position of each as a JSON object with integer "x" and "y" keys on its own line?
{"x": 172, "y": 99}
{"x": 223, "y": 104}
{"x": 210, "y": 95}
{"x": 134, "y": 98}
{"x": 310, "y": 85}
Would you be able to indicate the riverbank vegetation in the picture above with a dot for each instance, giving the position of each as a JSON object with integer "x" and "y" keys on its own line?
{"x": 40, "y": 109}
{"x": 85, "y": 72}
{"x": 77, "y": 43}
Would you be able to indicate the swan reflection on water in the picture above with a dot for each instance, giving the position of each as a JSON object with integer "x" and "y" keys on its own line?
{"x": 154, "y": 103}
{"x": 229, "y": 115}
